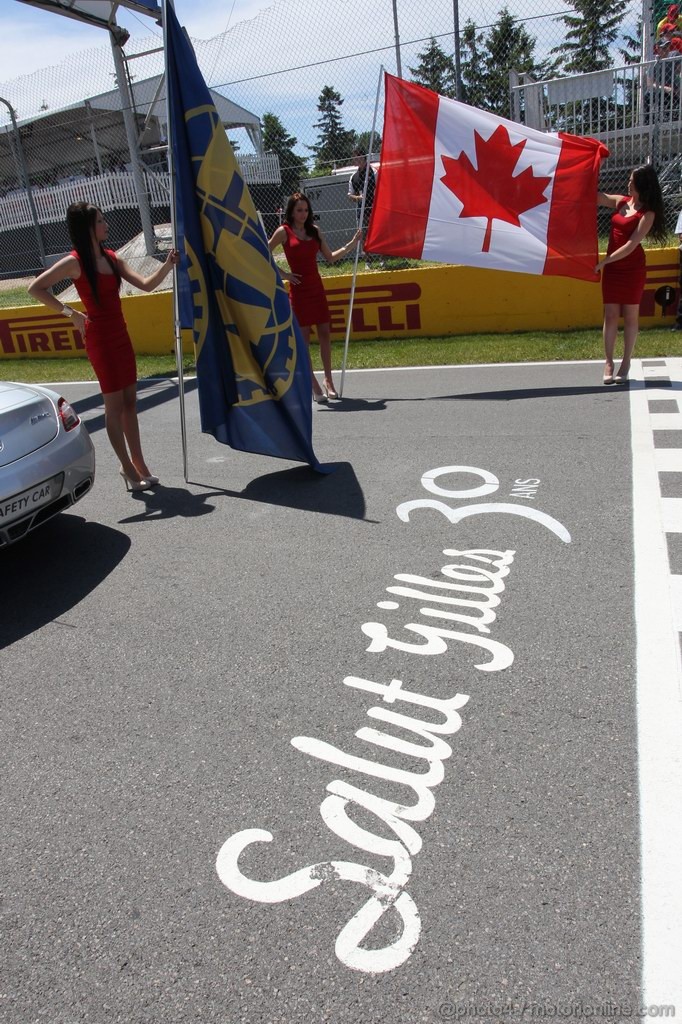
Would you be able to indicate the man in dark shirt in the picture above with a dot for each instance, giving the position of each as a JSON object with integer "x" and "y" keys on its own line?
{"x": 356, "y": 186}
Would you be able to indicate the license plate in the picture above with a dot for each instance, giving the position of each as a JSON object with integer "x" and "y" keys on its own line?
{"x": 28, "y": 501}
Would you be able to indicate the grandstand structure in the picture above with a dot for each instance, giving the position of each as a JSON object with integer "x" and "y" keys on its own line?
{"x": 635, "y": 110}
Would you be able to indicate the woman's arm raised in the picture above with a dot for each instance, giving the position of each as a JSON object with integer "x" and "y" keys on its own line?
{"x": 148, "y": 284}
{"x": 334, "y": 257}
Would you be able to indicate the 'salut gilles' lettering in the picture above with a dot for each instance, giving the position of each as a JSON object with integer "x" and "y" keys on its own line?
{"x": 458, "y": 608}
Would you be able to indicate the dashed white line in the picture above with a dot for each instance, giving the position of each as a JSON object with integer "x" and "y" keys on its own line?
{"x": 659, "y": 697}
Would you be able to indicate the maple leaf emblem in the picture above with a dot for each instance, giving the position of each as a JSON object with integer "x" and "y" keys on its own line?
{"x": 491, "y": 190}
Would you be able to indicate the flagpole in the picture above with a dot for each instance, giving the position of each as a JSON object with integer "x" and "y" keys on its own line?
{"x": 362, "y": 220}
{"x": 177, "y": 332}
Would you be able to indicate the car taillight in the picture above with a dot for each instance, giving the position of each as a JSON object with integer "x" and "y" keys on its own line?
{"x": 68, "y": 415}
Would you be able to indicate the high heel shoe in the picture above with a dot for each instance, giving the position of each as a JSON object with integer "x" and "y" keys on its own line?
{"x": 329, "y": 389}
{"x": 151, "y": 479}
{"x": 320, "y": 397}
{"x": 134, "y": 485}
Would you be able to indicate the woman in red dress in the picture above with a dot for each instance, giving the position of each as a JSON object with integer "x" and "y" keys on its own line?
{"x": 302, "y": 241}
{"x": 97, "y": 273}
{"x": 637, "y": 215}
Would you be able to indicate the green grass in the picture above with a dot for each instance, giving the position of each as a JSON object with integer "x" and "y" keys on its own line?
{"x": 16, "y": 297}
{"x": 527, "y": 346}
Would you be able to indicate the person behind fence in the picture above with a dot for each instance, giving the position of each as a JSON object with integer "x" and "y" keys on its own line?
{"x": 97, "y": 273}
{"x": 672, "y": 18}
{"x": 623, "y": 269}
{"x": 302, "y": 240}
{"x": 356, "y": 185}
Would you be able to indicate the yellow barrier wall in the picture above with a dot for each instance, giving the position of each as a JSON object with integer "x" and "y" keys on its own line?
{"x": 34, "y": 331}
{"x": 419, "y": 302}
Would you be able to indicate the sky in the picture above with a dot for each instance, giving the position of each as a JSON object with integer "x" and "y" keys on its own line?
{"x": 34, "y": 39}
{"x": 260, "y": 64}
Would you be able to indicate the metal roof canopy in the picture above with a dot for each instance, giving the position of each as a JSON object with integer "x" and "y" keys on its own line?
{"x": 95, "y": 124}
{"x": 148, "y": 94}
{"x": 102, "y": 14}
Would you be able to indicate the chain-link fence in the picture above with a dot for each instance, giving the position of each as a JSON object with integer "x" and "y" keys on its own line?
{"x": 297, "y": 88}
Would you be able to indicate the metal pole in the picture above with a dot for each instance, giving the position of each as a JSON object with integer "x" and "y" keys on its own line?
{"x": 648, "y": 30}
{"x": 93, "y": 136}
{"x": 131, "y": 129}
{"x": 26, "y": 180}
{"x": 177, "y": 330}
{"x": 359, "y": 244}
{"x": 656, "y": 103}
{"x": 397, "y": 39}
{"x": 458, "y": 56}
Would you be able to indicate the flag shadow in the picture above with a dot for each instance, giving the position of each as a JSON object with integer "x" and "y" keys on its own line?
{"x": 518, "y": 394}
{"x": 334, "y": 494}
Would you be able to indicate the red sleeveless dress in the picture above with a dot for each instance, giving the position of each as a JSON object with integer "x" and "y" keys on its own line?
{"x": 622, "y": 282}
{"x": 308, "y": 299}
{"x": 107, "y": 342}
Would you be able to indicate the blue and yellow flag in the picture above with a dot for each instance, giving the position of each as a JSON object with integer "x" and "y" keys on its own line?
{"x": 253, "y": 372}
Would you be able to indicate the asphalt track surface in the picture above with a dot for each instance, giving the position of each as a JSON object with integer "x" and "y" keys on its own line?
{"x": 210, "y": 809}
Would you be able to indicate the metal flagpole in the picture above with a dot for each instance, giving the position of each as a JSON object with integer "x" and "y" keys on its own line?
{"x": 25, "y": 180}
{"x": 362, "y": 221}
{"x": 174, "y": 235}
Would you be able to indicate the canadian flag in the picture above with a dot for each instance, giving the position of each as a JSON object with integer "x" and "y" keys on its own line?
{"x": 459, "y": 185}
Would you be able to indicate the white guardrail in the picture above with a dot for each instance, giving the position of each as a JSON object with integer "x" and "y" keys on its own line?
{"x": 113, "y": 191}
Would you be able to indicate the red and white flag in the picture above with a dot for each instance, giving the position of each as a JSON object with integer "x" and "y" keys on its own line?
{"x": 459, "y": 185}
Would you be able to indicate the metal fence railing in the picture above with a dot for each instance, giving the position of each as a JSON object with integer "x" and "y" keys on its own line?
{"x": 294, "y": 117}
{"x": 113, "y": 191}
{"x": 635, "y": 110}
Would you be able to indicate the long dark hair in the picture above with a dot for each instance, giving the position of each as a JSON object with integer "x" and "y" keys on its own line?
{"x": 645, "y": 180}
{"x": 80, "y": 222}
{"x": 308, "y": 224}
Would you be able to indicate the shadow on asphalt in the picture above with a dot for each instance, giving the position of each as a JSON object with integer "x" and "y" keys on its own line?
{"x": 150, "y": 393}
{"x": 518, "y": 394}
{"x": 337, "y": 493}
{"x": 53, "y": 569}
{"x": 170, "y": 503}
{"x": 356, "y": 405}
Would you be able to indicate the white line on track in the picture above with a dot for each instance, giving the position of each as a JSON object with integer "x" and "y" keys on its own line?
{"x": 659, "y": 701}
{"x": 377, "y": 369}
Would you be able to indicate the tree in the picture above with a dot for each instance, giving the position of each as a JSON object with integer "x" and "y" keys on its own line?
{"x": 277, "y": 140}
{"x": 510, "y": 48}
{"x": 362, "y": 142}
{"x": 436, "y": 70}
{"x": 488, "y": 59}
{"x": 472, "y": 65}
{"x": 591, "y": 32}
{"x": 334, "y": 143}
{"x": 631, "y": 51}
